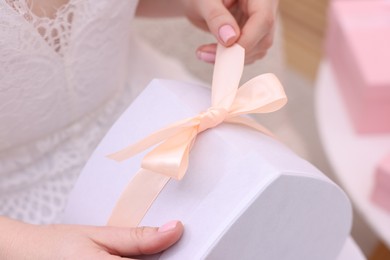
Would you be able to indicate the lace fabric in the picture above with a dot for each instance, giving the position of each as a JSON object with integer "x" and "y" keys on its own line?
{"x": 42, "y": 88}
{"x": 63, "y": 85}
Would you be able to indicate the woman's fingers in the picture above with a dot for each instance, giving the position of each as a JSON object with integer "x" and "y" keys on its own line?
{"x": 137, "y": 241}
{"x": 220, "y": 21}
{"x": 250, "y": 23}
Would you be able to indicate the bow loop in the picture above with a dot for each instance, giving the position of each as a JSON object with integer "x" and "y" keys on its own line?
{"x": 154, "y": 139}
{"x": 262, "y": 94}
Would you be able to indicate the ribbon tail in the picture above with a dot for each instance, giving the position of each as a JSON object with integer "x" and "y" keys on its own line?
{"x": 170, "y": 159}
{"x": 246, "y": 121}
{"x": 152, "y": 139}
{"x": 228, "y": 68}
{"x": 137, "y": 198}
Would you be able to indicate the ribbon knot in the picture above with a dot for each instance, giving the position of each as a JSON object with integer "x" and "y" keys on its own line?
{"x": 211, "y": 118}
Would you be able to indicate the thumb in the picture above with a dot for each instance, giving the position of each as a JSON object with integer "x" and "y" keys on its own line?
{"x": 220, "y": 22}
{"x": 140, "y": 240}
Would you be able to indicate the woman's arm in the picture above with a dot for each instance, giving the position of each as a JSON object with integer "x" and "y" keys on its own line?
{"x": 24, "y": 241}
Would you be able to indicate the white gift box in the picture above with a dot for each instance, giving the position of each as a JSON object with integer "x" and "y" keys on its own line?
{"x": 244, "y": 196}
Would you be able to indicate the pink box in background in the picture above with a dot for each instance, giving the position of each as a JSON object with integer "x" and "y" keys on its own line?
{"x": 381, "y": 190}
{"x": 358, "y": 47}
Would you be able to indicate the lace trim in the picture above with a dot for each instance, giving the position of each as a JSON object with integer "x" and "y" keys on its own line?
{"x": 57, "y": 31}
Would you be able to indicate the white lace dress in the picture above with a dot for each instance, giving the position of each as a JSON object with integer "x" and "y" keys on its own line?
{"x": 63, "y": 82}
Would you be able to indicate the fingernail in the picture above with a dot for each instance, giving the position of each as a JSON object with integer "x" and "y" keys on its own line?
{"x": 226, "y": 32}
{"x": 168, "y": 226}
{"x": 206, "y": 56}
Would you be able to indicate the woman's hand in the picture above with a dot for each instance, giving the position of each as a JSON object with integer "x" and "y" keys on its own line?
{"x": 247, "y": 22}
{"x": 250, "y": 23}
{"x": 24, "y": 241}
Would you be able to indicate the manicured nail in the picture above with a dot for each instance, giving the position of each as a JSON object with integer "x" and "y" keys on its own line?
{"x": 226, "y": 32}
{"x": 206, "y": 56}
{"x": 168, "y": 226}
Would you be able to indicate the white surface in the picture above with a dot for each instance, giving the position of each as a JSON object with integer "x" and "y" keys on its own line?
{"x": 245, "y": 195}
{"x": 351, "y": 251}
{"x": 353, "y": 156}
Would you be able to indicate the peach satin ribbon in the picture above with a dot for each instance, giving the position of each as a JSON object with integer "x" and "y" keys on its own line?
{"x": 169, "y": 159}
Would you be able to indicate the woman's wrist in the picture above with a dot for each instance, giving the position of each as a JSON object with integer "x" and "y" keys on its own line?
{"x": 11, "y": 236}
{"x": 160, "y": 8}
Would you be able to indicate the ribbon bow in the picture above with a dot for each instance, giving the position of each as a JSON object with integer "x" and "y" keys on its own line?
{"x": 169, "y": 159}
